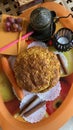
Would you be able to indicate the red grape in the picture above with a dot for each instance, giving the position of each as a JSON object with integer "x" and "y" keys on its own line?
{"x": 8, "y": 24}
{"x": 8, "y": 29}
{"x": 11, "y": 19}
{"x": 19, "y": 28}
{"x": 15, "y": 30}
{"x": 19, "y": 20}
{"x": 13, "y": 24}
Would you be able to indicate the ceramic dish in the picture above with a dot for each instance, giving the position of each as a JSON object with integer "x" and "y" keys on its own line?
{"x": 65, "y": 111}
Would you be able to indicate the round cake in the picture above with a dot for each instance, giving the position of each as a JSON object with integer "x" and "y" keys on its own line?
{"x": 37, "y": 69}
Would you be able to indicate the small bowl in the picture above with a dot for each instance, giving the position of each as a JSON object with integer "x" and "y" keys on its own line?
{"x": 63, "y": 39}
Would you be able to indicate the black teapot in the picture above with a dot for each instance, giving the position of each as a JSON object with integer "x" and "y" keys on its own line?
{"x": 42, "y": 23}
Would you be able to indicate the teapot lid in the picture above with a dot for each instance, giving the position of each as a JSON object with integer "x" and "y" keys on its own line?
{"x": 40, "y": 18}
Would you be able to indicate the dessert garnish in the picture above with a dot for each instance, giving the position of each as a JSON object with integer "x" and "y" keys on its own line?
{"x": 25, "y": 106}
{"x": 36, "y": 116}
{"x": 38, "y": 106}
{"x": 34, "y": 111}
{"x": 62, "y": 64}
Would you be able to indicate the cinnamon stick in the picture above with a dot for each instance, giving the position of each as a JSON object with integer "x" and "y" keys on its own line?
{"x": 62, "y": 64}
{"x": 32, "y": 99}
{"x": 38, "y": 106}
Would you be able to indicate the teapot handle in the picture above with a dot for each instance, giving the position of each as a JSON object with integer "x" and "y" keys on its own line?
{"x": 53, "y": 14}
{"x": 57, "y": 19}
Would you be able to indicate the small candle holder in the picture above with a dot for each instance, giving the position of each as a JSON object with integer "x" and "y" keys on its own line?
{"x": 63, "y": 39}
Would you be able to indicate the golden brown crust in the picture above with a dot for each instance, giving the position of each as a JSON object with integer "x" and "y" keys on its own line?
{"x": 37, "y": 69}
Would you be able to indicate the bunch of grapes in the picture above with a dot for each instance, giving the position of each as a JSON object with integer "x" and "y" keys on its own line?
{"x": 13, "y": 24}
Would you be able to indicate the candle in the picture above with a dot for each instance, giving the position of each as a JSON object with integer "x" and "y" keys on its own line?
{"x": 63, "y": 40}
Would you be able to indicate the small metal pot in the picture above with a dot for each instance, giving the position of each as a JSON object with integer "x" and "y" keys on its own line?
{"x": 42, "y": 23}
